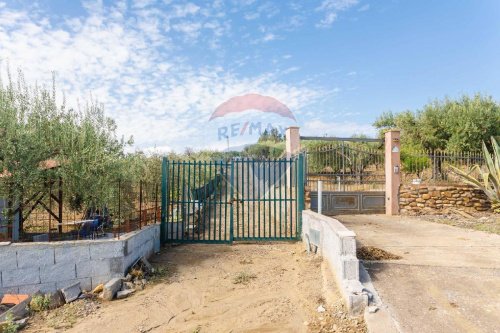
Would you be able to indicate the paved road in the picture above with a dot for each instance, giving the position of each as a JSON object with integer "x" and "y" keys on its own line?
{"x": 447, "y": 281}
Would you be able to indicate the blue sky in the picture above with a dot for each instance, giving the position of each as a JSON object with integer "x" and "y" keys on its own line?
{"x": 162, "y": 67}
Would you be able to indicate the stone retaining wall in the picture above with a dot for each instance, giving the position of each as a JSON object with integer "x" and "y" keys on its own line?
{"x": 423, "y": 199}
{"x": 28, "y": 267}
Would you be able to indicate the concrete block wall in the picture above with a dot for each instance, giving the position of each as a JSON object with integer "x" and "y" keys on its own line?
{"x": 337, "y": 245}
{"x": 29, "y": 267}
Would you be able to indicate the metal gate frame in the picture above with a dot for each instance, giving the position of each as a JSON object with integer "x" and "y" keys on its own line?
{"x": 348, "y": 191}
{"x": 245, "y": 182}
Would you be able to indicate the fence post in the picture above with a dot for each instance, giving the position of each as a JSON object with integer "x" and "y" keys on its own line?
{"x": 292, "y": 141}
{"x": 320, "y": 196}
{"x": 164, "y": 207}
{"x": 300, "y": 193}
{"x": 392, "y": 171}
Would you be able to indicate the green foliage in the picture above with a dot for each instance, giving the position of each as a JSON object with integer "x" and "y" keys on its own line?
{"x": 9, "y": 326}
{"x": 489, "y": 175}
{"x": 83, "y": 143}
{"x": 40, "y": 302}
{"x": 271, "y": 136}
{"x": 457, "y": 125}
{"x": 414, "y": 161}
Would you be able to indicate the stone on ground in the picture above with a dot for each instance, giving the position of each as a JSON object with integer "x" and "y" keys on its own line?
{"x": 71, "y": 292}
{"x": 111, "y": 288}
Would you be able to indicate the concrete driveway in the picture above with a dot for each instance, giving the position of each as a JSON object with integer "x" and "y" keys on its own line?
{"x": 447, "y": 281}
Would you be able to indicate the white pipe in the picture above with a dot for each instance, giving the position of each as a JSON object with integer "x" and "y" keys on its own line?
{"x": 320, "y": 196}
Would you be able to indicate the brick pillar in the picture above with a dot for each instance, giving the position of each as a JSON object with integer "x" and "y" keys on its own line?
{"x": 392, "y": 172}
{"x": 292, "y": 141}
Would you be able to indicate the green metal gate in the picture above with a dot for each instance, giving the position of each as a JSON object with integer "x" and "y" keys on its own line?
{"x": 238, "y": 200}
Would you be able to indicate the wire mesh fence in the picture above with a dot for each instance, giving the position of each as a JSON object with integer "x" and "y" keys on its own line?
{"x": 40, "y": 218}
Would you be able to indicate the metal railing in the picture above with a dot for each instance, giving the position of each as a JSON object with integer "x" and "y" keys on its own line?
{"x": 433, "y": 167}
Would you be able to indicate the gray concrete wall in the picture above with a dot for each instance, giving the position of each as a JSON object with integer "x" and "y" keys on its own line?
{"x": 29, "y": 267}
{"x": 337, "y": 245}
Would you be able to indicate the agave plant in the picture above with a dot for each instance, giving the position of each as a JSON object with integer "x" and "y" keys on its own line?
{"x": 489, "y": 175}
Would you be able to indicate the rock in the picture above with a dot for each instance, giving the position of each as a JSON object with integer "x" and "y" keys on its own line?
{"x": 127, "y": 278}
{"x": 71, "y": 292}
{"x": 18, "y": 311}
{"x": 98, "y": 289}
{"x": 128, "y": 285}
{"x": 144, "y": 281}
{"x": 56, "y": 300}
{"x": 372, "y": 309}
{"x": 321, "y": 309}
{"x": 111, "y": 288}
{"x": 124, "y": 293}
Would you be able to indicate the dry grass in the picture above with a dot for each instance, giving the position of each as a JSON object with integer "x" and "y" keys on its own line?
{"x": 374, "y": 253}
{"x": 244, "y": 278}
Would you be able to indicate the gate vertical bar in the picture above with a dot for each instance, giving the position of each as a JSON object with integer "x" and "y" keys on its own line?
{"x": 231, "y": 219}
{"x": 300, "y": 194}
{"x": 163, "y": 223}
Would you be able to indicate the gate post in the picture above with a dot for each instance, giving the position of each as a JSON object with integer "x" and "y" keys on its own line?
{"x": 392, "y": 171}
{"x": 292, "y": 141}
{"x": 300, "y": 193}
{"x": 163, "y": 224}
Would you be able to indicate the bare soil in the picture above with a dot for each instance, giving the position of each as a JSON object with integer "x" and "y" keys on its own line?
{"x": 271, "y": 287}
{"x": 374, "y": 253}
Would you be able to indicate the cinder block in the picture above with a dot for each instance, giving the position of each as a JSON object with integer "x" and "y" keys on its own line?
{"x": 42, "y": 287}
{"x": 9, "y": 290}
{"x": 21, "y": 277}
{"x": 85, "y": 283}
{"x": 357, "y": 304}
{"x": 57, "y": 272}
{"x": 350, "y": 268}
{"x": 348, "y": 246}
{"x": 72, "y": 253}
{"x": 107, "y": 249}
{"x": 8, "y": 258}
{"x": 99, "y": 267}
{"x": 34, "y": 255}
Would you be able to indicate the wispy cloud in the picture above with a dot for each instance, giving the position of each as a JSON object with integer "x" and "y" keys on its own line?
{"x": 331, "y": 9}
{"x": 152, "y": 93}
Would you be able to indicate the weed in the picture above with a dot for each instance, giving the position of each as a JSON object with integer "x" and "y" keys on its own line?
{"x": 246, "y": 261}
{"x": 9, "y": 326}
{"x": 40, "y": 302}
{"x": 244, "y": 278}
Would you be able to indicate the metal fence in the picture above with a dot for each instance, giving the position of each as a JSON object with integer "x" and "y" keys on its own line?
{"x": 345, "y": 167}
{"x": 239, "y": 200}
{"x": 433, "y": 167}
{"x": 133, "y": 206}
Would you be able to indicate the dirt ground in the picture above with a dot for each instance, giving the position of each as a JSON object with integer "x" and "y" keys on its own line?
{"x": 272, "y": 287}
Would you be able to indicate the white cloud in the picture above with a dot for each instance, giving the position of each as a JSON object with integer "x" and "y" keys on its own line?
{"x": 330, "y": 10}
{"x": 151, "y": 93}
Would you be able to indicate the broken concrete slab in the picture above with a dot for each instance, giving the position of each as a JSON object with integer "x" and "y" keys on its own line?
{"x": 111, "y": 288}
{"x": 71, "y": 292}
{"x": 56, "y": 300}
{"x": 18, "y": 311}
{"x": 124, "y": 293}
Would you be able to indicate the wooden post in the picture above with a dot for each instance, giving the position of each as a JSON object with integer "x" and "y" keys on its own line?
{"x": 392, "y": 171}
